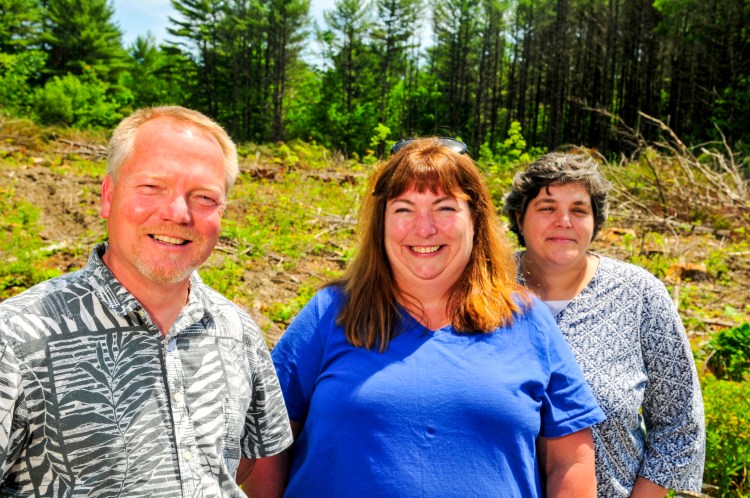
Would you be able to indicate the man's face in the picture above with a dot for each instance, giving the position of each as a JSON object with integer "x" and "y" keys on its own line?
{"x": 164, "y": 211}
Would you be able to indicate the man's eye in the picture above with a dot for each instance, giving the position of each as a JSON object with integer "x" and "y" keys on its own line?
{"x": 205, "y": 200}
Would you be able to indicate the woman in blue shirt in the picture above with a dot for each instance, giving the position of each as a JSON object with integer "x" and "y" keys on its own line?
{"x": 426, "y": 371}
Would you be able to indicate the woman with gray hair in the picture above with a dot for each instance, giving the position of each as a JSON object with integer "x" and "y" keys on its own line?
{"x": 622, "y": 326}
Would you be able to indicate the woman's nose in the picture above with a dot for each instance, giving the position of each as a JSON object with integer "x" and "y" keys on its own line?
{"x": 563, "y": 219}
{"x": 426, "y": 225}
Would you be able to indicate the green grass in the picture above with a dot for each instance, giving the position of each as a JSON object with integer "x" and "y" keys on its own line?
{"x": 727, "y": 407}
{"x": 23, "y": 265}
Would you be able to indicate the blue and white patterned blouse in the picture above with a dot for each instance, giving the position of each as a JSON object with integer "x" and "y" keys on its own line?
{"x": 629, "y": 340}
{"x": 95, "y": 401}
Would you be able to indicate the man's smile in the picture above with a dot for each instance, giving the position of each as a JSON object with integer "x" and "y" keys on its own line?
{"x": 169, "y": 240}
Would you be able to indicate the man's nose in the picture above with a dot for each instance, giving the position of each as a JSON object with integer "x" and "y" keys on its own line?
{"x": 177, "y": 210}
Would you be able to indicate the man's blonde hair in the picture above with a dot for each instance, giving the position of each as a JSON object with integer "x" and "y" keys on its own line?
{"x": 122, "y": 143}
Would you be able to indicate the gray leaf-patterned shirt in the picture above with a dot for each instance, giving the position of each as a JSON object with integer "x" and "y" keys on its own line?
{"x": 630, "y": 343}
{"x": 95, "y": 401}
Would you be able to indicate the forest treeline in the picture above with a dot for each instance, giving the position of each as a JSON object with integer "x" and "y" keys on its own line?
{"x": 566, "y": 71}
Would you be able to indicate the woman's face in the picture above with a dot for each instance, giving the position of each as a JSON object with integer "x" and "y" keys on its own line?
{"x": 558, "y": 224}
{"x": 429, "y": 237}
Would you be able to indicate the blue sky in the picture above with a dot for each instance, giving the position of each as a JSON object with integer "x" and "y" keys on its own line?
{"x": 137, "y": 17}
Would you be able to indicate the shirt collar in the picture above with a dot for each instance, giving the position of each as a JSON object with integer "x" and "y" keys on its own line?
{"x": 119, "y": 300}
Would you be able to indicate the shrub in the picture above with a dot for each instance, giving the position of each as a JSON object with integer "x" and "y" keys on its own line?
{"x": 15, "y": 72}
{"x": 53, "y": 104}
{"x": 81, "y": 102}
{"x": 729, "y": 353}
{"x": 727, "y": 405}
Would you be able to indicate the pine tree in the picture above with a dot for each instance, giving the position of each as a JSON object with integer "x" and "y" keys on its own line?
{"x": 454, "y": 59}
{"x": 155, "y": 75}
{"x": 347, "y": 106}
{"x": 199, "y": 28}
{"x": 20, "y": 25}
{"x": 80, "y": 35}
{"x": 286, "y": 22}
{"x": 393, "y": 34}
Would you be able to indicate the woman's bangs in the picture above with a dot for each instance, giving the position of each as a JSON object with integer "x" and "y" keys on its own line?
{"x": 426, "y": 175}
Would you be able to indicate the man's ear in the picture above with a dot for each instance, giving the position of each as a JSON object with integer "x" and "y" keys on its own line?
{"x": 107, "y": 188}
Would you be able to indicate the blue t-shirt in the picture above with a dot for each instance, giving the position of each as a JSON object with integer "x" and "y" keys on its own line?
{"x": 437, "y": 414}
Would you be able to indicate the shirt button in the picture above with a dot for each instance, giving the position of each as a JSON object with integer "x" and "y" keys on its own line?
{"x": 177, "y": 397}
{"x": 187, "y": 455}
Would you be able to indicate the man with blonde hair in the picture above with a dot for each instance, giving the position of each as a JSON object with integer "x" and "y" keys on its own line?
{"x": 131, "y": 377}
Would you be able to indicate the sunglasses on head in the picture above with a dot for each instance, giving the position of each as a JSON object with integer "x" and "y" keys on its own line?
{"x": 456, "y": 146}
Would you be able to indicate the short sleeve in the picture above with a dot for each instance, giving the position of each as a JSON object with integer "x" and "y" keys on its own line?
{"x": 298, "y": 355}
{"x": 267, "y": 431}
{"x": 569, "y": 404}
{"x": 13, "y": 423}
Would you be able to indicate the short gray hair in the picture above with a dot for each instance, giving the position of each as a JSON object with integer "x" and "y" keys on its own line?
{"x": 122, "y": 143}
{"x": 557, "y": 169}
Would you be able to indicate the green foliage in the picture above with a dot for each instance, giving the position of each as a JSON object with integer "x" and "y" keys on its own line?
{"x": 285, "y": 156}
{"x": 500, "y": 166}
{"x": 155, "y": 76}
{"x": 348, "y": 107}
{"x": 82, "y": 102}
{"x": 727, "y": 406}
{"x": 302, "y": 110}
{"x": 490, "y": 68}
{"x": 514, "y": 146}
{"x": 16, "y": 75}
{"x": 380, "y": 134}
{"x": 19, "y": 25}
{"x": 717, "y": 267}
{"x": 80, "y": 36}
{"x": 729, "y": 353}
{"x": 657, "y": 263}
{"x": 513, "y": 151}
{"x": 732, "y": 109}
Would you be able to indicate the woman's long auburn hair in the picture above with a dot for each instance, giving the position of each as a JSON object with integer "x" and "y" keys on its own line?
{"x": 479, "y": 302}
